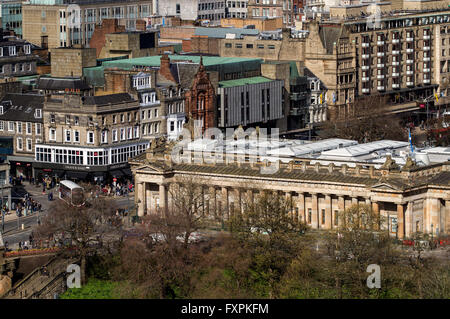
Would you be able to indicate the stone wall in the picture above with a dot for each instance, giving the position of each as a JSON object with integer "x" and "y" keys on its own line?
{"x": 71, "y": 61}
{"x": 43, "y": 283}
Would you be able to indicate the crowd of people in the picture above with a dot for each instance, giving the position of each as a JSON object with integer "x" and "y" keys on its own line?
{"x": 112, "y": 189}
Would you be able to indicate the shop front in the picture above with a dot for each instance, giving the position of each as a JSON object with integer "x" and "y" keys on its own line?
{"x": 21, "y": 166}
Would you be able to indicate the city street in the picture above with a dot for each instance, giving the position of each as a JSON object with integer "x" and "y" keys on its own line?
{"x": 14, "y": 232}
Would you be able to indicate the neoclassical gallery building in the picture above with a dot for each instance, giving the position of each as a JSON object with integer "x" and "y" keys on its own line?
{"x": 411, "y": 199}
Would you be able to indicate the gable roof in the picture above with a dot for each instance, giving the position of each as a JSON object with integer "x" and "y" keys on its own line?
{"x": 50, "y": 83}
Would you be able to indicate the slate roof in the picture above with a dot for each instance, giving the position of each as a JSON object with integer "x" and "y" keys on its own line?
{"x": 21, "y": 107}
{"x": 299, "y": 175}
{"x": 50, "y": 83}
{"x": 221, "y": 33}
{"x": 398, "y": 183}
{"x": 109, "y": 98}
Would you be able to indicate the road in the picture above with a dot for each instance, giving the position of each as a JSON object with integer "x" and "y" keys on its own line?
{"x": 13, "y": 232}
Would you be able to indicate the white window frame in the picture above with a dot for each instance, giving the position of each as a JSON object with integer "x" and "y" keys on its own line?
{"x": 65, "y": 136}
{"x": 21, "y": 143}
{"x": 129, "y": 133}
{"x": 104, "y": 136}
{"x": 88, "y": 135}
{"x": 29, "y": 127}
{"x": 38, "y": 113}
{"x": 2, "y": 125}
{"x": 76, "y": 136}
{"x": 123, "y": 134}
{"x": 12, "y": 50}
{"x": 114, "y": 135}
{"x": 38, "y": 128}
{"x": 52, "y": 130}
{"x": 10, "y": 126}
{"x": 29, "y": 149}
{"x": 19, "y": 127}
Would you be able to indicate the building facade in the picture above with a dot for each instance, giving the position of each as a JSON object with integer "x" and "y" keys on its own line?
{"x": 21, "y": 120}
{"x": 317, "y": 196}
{"x": 16, "y": 57}
{"x": 89, "y": 135}
{"x": 12, "y": 16}
{"x": 250, "y": 102}
{"x": 64, "y": 23}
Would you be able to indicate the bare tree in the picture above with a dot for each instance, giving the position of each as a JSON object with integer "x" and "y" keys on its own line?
{"x": 84, "y": 227}
{"x": 367, "y": 122}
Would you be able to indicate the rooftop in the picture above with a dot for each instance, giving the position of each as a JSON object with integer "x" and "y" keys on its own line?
{"x": 244, "y": 81}
{"x": 154, "y": 61}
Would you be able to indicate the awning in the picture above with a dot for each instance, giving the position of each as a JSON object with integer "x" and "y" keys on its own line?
{"x": 98, "y": 174}
{"x": 76, "y": 175}
{"x": 127, "y": 172}
{"x": 117, "y": 173}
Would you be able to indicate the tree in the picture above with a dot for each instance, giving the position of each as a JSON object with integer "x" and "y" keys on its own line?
{"x": 83, "y": 227}
{"x": 161, "y": 262}
{"x": 272, "y": 235}
{"x": 367, "y": 122}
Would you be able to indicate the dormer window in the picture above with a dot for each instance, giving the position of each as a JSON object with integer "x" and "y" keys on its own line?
{"x": 1, "y": 109}
{"x": 1, "y": 51}
{"x": 141, "y": 81}
{"x": 27, "y": 49}
{"x": 38, "y": 113}
{"x": 12, "y": 50}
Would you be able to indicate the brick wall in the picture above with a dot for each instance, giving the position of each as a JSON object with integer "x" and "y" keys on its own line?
{"x": 204, "y": 44}
{"x": 176, "y": 33}
{"x": 99, "y": 35}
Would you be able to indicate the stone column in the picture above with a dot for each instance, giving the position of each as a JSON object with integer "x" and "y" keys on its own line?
{"x": 140, "y": 192}
{"x": 212, "y": 201}
{"x": 163, "y": 197}
{"x": 376, "y": 211}
{"x": 315, "y": 211}
{"x": 225, "y": 213}
{"x": 447, "y": 217}
{"x": 341, "y": 207}
{"x": 435, "y": 210}
{"x": 289, "y": 200}
{"x": 409, "y": 220}
{"x": 238, "y": 201}
{"x": 328, "y": 213}
{"x": 400, "y": 221}
{"x": 301, "y": 206}
{"x": 250, "y": 196}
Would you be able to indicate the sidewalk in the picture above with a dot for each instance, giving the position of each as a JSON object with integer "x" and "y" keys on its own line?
{"x": 36, "y": 194}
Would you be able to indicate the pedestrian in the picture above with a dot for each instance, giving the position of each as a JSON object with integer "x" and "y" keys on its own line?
{"x": 20, "y": 245}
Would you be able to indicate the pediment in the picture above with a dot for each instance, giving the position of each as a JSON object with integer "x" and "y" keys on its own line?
{"x": 150, "y": 168}
{"x": 385, "y": 186}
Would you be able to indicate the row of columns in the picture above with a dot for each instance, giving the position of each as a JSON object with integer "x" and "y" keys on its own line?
{"x": 318, "y": 217}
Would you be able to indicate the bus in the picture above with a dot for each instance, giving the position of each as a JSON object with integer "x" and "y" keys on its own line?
{"x": 71, "y": 193}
